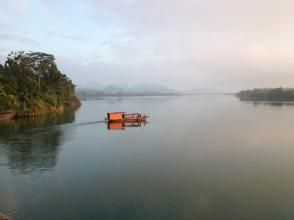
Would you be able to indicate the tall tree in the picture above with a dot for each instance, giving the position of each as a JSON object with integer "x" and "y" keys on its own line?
{"x": 33, "y": 82}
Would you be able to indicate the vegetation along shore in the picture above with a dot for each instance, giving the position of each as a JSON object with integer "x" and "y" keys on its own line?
{"x": 31, "y": 84}
{"x": 271, "y": 94}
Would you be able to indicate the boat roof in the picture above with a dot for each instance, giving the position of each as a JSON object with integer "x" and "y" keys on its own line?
{"x": 115, "y": 112}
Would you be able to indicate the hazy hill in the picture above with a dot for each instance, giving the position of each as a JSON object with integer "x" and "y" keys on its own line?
{"x": 92, "y": 85}
{"x": 152, "y": 88}
{"x": 205, "y": 91}
{"x": 95, "y": 89}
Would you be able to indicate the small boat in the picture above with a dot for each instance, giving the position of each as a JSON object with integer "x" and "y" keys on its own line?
{"x": 126, "y": 117}
{"x": 6, "y": 115}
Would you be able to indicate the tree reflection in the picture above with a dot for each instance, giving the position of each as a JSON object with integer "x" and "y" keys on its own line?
{"x": 33, "y": 144}
{"x": 267, "y": 103}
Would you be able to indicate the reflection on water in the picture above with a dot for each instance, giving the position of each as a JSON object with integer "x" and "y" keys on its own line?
{"x": 124, "y": 125}
{"x": 33, "y": 143}
{"x": 270, "y": 103}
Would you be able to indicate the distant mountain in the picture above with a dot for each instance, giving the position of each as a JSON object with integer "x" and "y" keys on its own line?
{"x": 114, "y": 89}
{"x": 154, "y": 88}
{"x": 203, "y": 91}
{"x": 94, "y": 89}
{"x": 92, "y": 85}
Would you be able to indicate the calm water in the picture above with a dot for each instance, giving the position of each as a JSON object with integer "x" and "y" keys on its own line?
{"x": 201, "y": 157}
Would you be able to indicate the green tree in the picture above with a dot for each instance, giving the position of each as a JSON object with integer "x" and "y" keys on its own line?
{"x": 31, "y": 82}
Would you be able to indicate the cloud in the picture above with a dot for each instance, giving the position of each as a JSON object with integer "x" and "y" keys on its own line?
{"x": 185, "y": 43}
{"x": 6, "y": 25}
{"x": 20, "y": 37}
{"x": 15, "y": 5}
{"x": 223, "y": 39}
{"x": 52, "y": 32}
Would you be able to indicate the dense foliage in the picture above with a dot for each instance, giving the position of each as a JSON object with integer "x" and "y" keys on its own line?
{"x": 275, "y": 94}
{"x": 31, "y": 82}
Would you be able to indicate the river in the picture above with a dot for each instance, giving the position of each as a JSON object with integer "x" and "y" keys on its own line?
{"x": 198, "y": 157}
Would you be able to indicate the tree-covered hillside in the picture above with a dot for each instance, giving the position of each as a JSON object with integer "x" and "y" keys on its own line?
{"x": 275, "y": 94}
{"x": 31, "y": 83}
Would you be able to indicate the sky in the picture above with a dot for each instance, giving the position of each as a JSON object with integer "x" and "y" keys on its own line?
{"x": 226, "y": 45}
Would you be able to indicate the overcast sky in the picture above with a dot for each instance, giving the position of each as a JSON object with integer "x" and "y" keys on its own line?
{"x": 223, "y": 44}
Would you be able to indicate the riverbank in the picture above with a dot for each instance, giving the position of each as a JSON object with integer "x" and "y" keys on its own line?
{"x": 32, "y": 113}
{"x": 4, "y": 217}
{"x": 36, "y": 113}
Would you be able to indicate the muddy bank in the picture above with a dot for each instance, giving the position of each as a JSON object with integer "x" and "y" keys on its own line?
{"x": 4, "y": 217}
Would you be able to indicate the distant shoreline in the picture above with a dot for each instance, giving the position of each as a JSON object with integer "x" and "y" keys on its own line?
{"x": 151, "y": 95}
{"x": 267, "y": 95}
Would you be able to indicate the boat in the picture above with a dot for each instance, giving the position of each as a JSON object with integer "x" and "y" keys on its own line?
{"x": 126, "y": 117}
{"x": 6, "y": 115}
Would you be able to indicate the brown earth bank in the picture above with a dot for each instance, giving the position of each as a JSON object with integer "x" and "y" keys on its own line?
{"x": 4, "y": 217}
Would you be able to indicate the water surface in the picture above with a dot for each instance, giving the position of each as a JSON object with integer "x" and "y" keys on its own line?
{"x": 199, "y": 157}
